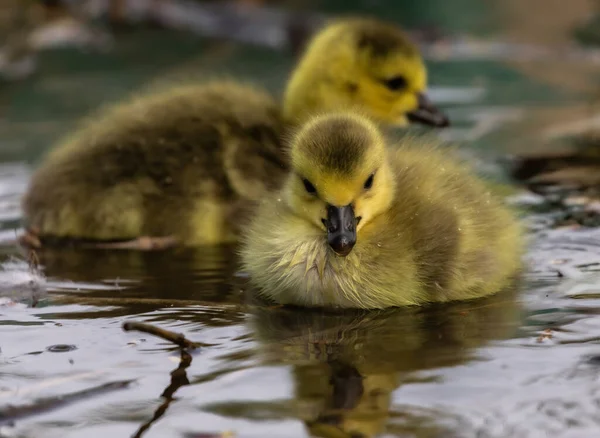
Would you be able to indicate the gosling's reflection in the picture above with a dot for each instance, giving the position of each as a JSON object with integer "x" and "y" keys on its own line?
{"x": 136, "y": 282}
{"x": 346, "y": 365}
{"x": 161, "y": 271}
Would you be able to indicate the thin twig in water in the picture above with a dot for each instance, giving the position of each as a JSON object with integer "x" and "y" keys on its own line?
{"x": 178, "y": 375}
{"x": 178, "y": 379}
{"x": 175, "y": 338}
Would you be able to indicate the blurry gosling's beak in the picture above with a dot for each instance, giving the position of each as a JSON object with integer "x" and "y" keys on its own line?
{"x": 341, "y": 229}
{"x": 428, "y": 114}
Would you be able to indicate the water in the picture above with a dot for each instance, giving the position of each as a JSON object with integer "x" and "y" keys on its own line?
{"x": 525, "y": 363}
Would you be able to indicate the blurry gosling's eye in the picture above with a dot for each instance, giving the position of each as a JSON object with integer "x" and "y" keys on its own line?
{"x": 369, "y": 182}
{"x": 309, "y": 187}
{"x": 396, "y": 83}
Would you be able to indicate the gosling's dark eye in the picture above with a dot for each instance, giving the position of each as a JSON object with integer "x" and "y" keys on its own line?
{"x": 309, "y": 187}
{"x": 369, "y": 182}
{"x": 396, "y": 83}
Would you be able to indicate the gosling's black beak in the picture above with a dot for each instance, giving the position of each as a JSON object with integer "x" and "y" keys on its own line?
{"x": 428, "y": 114}
{"x": 341, "y": 229}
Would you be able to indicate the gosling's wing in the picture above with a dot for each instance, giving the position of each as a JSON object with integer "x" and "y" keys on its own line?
{"x": 253, "y": 158}
{"x": 161, "y": 154}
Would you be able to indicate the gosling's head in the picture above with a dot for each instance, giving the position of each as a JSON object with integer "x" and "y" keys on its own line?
{"x": 362, "y": 63}
{"x": 340, "y": 177}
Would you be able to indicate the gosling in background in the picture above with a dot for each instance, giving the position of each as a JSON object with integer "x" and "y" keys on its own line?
{"x": 183, "y": 165}
{"x": 360, "y": 225}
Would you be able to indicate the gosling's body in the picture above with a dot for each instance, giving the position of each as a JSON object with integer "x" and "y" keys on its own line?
{"x": 429, "y": 230}
{"x": 181, "y": 163}
{"x": 181, "y": 166}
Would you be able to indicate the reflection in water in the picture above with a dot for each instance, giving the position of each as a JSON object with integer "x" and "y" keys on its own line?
{"x": 9, "y": 414}
{"x": 179, "y": 378}
{"x": 346, "y": 365}
{"x": 145, "y": 280}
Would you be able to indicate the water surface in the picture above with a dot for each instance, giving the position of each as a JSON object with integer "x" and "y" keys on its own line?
{"x": 525, "y": 363}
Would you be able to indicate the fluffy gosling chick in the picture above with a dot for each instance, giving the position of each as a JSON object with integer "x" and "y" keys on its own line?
{"x": 364, "y": 63}
{"x": 359, "y": 225}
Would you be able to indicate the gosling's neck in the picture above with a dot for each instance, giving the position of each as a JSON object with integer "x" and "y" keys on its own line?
{"x": 319, "y": 83}
{"x": 310, "y": 94}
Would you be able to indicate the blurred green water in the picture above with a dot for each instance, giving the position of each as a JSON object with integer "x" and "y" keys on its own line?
{"x": 70, "y": 84}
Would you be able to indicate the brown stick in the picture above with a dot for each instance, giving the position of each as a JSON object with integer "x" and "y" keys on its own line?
{"x": 175, "y": 338}
{"x": 178, "y": 376}
{"x": 178, "y": 379}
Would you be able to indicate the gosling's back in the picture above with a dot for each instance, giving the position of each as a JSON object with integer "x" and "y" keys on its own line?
{"x": 181, "y": 162}
{"x": 445, "y": 226}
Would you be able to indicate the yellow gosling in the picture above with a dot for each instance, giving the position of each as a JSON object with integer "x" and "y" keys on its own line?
{"x": 360, "y": 225}
{"x": 363, "y": 63}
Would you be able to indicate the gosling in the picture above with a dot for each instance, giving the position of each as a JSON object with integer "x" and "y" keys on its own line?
{"x": 359, "y": 225}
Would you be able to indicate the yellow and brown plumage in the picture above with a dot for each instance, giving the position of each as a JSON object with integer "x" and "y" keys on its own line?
{"x": 172, "y": 164}
{"x": 181, "y": 166}
{"x": 360, "y": 224}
